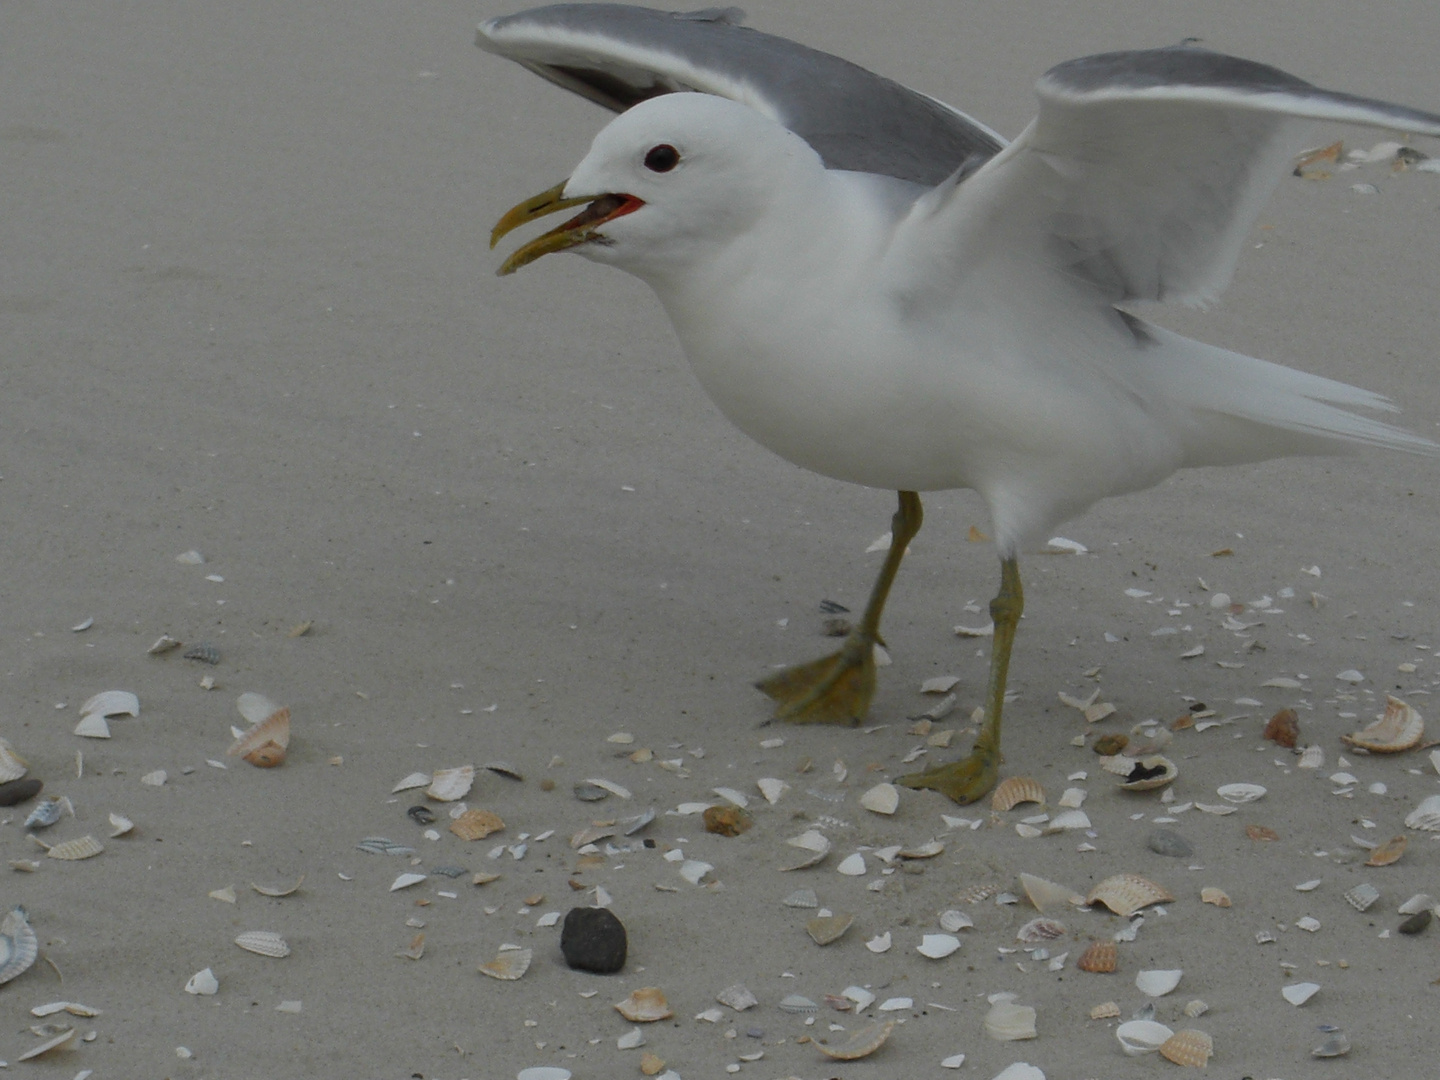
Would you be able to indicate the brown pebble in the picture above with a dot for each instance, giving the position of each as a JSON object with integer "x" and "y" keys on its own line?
{"x": 726, "y": 820}
{"x": 1261, "y": 832}
{"x": 17, "y": 791}
{"x": 1284, "y": 729}
{"x": 1110, "y": 745}
{"x": 547, "y": 784}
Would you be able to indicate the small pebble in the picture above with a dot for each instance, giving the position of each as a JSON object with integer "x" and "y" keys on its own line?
{"x": 17, "y": 791}
{"x": 1169, "y": 843}
{"x": 593, "y": 939}
{"x": 421, "y": 815}
{"x": 587, "y": 792}
{"x": 1416, "y": 923}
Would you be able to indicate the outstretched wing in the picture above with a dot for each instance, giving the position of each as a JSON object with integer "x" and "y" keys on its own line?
{"x": 1141, "y": 176}
{"x": 618, "y": 55}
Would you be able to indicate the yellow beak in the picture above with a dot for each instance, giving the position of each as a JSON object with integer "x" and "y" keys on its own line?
{"x": 578, "y": 230}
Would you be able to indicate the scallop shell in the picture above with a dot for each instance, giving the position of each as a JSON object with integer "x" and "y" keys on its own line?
{"x": 263, "y": 943}
{"x": 1389, "y": 852}
{"x": 1041, "y": 929}
{"x": 476, "y": 824}
{"x": 861, "y": 1044}
{"x": 1015, "y": 790}
{"x": 1211, "y": 895}
{"x": 112, "y": 703}
{"x": 1045, "y": 895}
{"x": 645, "y": 1006}
{"x": 1142, "y": 1036}
{"x": 1106, "y": 1011}
{"x": 881, "y": 799}
{"x": 1009, "y": 1022}
{"x": 1126, "y": 894}
{"x": 1399, "y": 728}
{"x": 448, "y": 785}
{"x": 937, "y": 946}
{"x": 264, "y": 745}
{"x": 508, "y": 965}
{"x": 827, "y": 928}
{"x": 1240, "y": 793}
{"x": 1148, "y": 773}
{"x": 1157, "y": 983}
{"x": 12, "y": 765}
{"x": 1188, "y": 1047}
{"x": 1426, "y": 816}
{"x": 18, "y": 944}
{"x": 85, "y": 847}
{"x": 1100, "y": 958}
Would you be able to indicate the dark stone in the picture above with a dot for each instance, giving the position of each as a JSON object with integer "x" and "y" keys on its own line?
{"x": 593, "y": 939}
{"x": 1416, "y": 923}
{"x": 1171, "y": 844}
{"x": 17, "y": 791}
{"x": 421, "y": 815}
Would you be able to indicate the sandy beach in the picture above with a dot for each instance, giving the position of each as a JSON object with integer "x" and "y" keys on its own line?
{"x": 247, "y": 309}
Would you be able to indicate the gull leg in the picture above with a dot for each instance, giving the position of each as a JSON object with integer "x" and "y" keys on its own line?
{"x": 837, "y": 689}
{"x": 974, "y": 775}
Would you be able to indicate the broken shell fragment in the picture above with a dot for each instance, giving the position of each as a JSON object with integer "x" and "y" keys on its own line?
{"x": 12, "y": 765}
{"x": 55, "y": 1042}
{"x": 1142, "y": 1036}
{"x": 1015, "y": 790}
{"x": 1045, "y": 895}
{"x": 737, "y": 997}
{"x": 448, "y": 785}
{"x": 952, "y": 920}
{"x": 861, "y": 1044}
{"x": 645, "y": 1006}
{"x": 1240, "y": 793}
{"x": 1211, "y": 895}
{"x": 278, "y": 891}
{"x": 1101, "y": 958}
{"x": 112, "y": 703}
{"x": 18, "y": 944}
{"x": 1337, "y": 1045}
{"x": 1426, "y": 816}
{"x": 881, "y": 799}
{"x": 1188, "y": 1047}
{"x": 796, "y": 1003}
{"x": 1009, "y": 1022}
{"x": 85, "y": 847}
{"x": 937, "y": 946}
{"x": 508, "y": 965}
{"x": 265, "y": 744}
{"x": 120, "y": 825}
{"x": 476, "y": 824}
{"x": 1389, "y": 852}
{"x": 93, "y": 726}
{"x": 1399, "y": 728}
{"x": 1143, "y": 773}
{"x": 1157, "y": 983}
{"x": 1361, "y": 896}
{"x": 852, "y": 865}
{"x": 1106, "y": 1011}
{"x": 46, "y": 813}
{"x": 203, "y": 983}
{"x": 1299, "y": 993}
{"x": 264, "y": 943}
{"x": 827, "y": 928}
{"x": 814, "y": 843}
{"x": 1041, "y": 929}
{"x": 1125, "y": 894}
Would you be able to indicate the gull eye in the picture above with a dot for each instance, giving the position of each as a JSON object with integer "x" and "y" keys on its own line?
{"x": 662, "y": 158}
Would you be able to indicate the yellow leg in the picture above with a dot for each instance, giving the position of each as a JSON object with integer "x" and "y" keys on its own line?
{"x": 837, "y": 689}
{"x": 974, "y": 775}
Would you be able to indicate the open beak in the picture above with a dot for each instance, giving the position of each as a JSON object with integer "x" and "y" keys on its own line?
{"x": 577, "y": 230}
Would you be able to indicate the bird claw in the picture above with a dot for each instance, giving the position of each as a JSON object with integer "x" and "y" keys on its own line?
{"x": 965, "y": 781}
{"x": 834, "y": 689}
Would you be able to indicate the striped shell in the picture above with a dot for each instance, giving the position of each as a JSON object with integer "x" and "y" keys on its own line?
{"x": 863, "y": 1043}
{"x": 263, "y": 943}
{"x": 508, "y": 965}
{"x": 1100, "y": 958}
{"x": 1041, "y": 929}
{"x": 12, "y": 765}
{"x": 264, "y": 745}
{"x": 1188, "y": 1047}
{"x": 1125, "y": 894}
{"x": 18, "y": 944}
{"x": 1106, "y": 1011}
{"x": 1400, "y": 728}
{"x": 1015, "y": 790}
{"x": 86, "y": 847}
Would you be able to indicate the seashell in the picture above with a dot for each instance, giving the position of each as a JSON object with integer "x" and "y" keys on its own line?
{"x": 1188, "y": 1047}
{"x": 1041, "y": 929}
{"x": 1142, "y": 1036}
{"x": 378, "y": 845}
{"x": 1283, "y": 729}
{"x": 448, "y": 785}
{"x": 112, "y": 703}
{"x": 1068, "y": 819}
{"x": 1399, "y": 728}
{"x": 927, "y": 850}
{"x": 827, "y": 928}
{"x": 85, "y": 847}
{"x": 1426, "y": 816}
{"x": 727, "y": 820}
{"x": 414, "y": 780}
{"x": 404, "y": 881}
{"x": 54, "y": 1042}
{"x": 1416, "y": 904}
{"x": 861, "y": 1044}
{"x": 1146, "y": 773}
{"x": 1125, "y": 894}
{"x": 1389, "y": 852}
{"x": 120, "y": 825}
{"x": 1009, "y": 1022}
{"x": 880, "y": 943}
{"x": 1157, "y": 983}
{"x": 952, "y": 920}
{"x": 476, "y": 824}
{"x": 264, "y": 745}
{"x": 1312, "y": 757}
{"x": 772, "y": 789}
{"x": 508, "y": 965}
{"x": 895, "y": 1004}
{"x": 645, "y": 1005}
{"x": 1240, "y": 793}
{"x": 1337, "y": 1045}
{"x": 203, "y": 652}
{"x": 505, "y": 769}
{"x": 881, "y": 799}
{"x": 1105, "y": 1011}
{"x": 255, "y": 707}
{"x": 263, "y": 943}
{"x": 1073, "y": 799}
{"x": 1101, "y": 958}
{"x": 937, "y": 946}
{"x": 737, "y": 997}
{"x": 795, "y": 1003}
{"x": 203, "y": 983}
{"x": 852, "y": 865}
{"x": 18, "y": 944}
{"x": 1211, "y": 895}
{"x": 1020, "y": 1070}
{"x": 1361, "y": 896}
{"x": 1195, "y": 1008}
{"x": 611, "y": 787}
{"x": 816, "y": 845}
{"x": 93, "y": 726}
{"x": 543, "y": 1072}
{"x": 1045, "y": 895}
{"x": 862, "y": 998}
{"x": 12, "y": 765}
{"x": 632, "y": 825}
{"x": 1299, "y": 993}
{"x": 802, "y": 898}
{"x": 974, "y": 894}
{"x": 46, "y": 813}
{"x": 1015, "y": 790}
{"x": 278, "y": 891}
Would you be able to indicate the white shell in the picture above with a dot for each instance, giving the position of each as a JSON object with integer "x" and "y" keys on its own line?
{"x": 952, "y": 920}
{"x": 448, "y": 785}
{"x": 404, "y": 881}
{"x": 879, "y": 943}
{"x": 543, "y": 1072}
{"x": 1299, "y": 993}
{"x": 18, "y": 944}
{"x": 1240, "y": 793}
{"x": 881, "y": 799}
{"x": 93, "y": 726}
{"x": 937, "y": 946}
{"x": 1068, "y": 819}
{"x": 1361, "y": 896}
{"x": 772, "y": 788}
{"x": 862, "y": 998}
{"x": 852, "y": 865}
{"x": 1045, "y": 895}
{"x": 264, "y": 943}
{"x": 608, "y": 785}
{"x": 1009, "y": 1022}
{"x": 1157, "y": 983}
{"x": 414, "y": 780}
{"x": 155, "y": 779}
{"x": 737, "y": 997}
{"x": 815, "y": 843}
{"x": 256, "y": 707}
{"x": 1142, "y": 1036}
{"x": 1073, "y": 798}
{"x": 112, "y": 703}
{"x": 509, "y": 964}
{"x": 203, "y": 982}
{"x": 1426, "y": 816}
{"x": 84, "y": 847}
{"x": 1416, "y": 904}
{"x": 1312, "y": 757}
{"x": 1020, "y": 1070}
{"x": 12, "y": 765}
{"x": 52, "y": 1043}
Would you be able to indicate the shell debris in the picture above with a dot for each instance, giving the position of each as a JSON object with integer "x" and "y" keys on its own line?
{"x": 509, "y": 964}
{"x": 1157, "y": 983}
{"x": 881, "y": 799}
{"x": 1101, "y": 958}
{"x": 265, "y": 744}
{"x": 1105, "y": 1011}
{"x": 1399, "y": 728}
{"x": 18, "y": 944}
{"x": 1188, "y": 1047}
{"x": 85, "y": 847}
{"x": 476, "y": 824}
{"x": 1211, "y": 895}
{"x": 825, "y": 929}
{"x": 451, "y": 785}
{"x": 1389, "y": 852}
{"x": 1125, "y": 894}
{"x": 1139, "y": 1037}
{"x": 645, "y": 1005}
{"x": 264, "y": 943}
{"x": 1014, "y": 790}
{"x": 1009, "y": 1022}
{"x": 861, "y": 1044}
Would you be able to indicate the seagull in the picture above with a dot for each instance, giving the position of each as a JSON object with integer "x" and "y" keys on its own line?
{"x": 879, "y": 288}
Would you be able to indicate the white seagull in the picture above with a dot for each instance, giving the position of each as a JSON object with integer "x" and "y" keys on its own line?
{"x": 878, "y": 288}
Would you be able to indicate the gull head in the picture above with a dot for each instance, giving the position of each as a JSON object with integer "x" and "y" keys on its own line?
{"x": 669, "y": 181}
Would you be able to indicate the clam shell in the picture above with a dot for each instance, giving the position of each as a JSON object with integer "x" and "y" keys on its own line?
{"x": 1157, "y": 983}
{"x": 1389, "y": 852}
{"x": 1014, "y": 790}
{"x": 112, "y": 703}
{"x": 1211, "y": 895}
{"x": 93, "y": 726}
{"x": 645, "y": 1005}
{"x": 85, "y": 847}
{"x": 937, "y": 946}
{"x": 55, "y": 1042}
{"x": 1142, "y": 1036}
{"x": 1045, "y": 895}
{"x": 1101, "y": 958}
{"x": 278, "y": 891}
{"x": 1240, "y": 793}
{"x": 203, "y": 983}
{"x": 12, "y": 765}
{"x": 1125, "y": 894}
{"x": 476, "y": 824}
{"x": 1148, "y": 773}
{"x": 1105, "y": 1011}
{"x": 1188, "y": 1047}
{"x": 827, "y": 928}
{"x": 18, "y": 944}
{"x": 861, "y": 1044}
{"x": 1399, "y": 728}
{"x": 881, "y": 799}
{"x": 1009, "y": 1022}
{"x": 952, "y": 920}
{"x": 1426, "y": 816}
{"x": 264, "y": 745}
{"x": 448, "y": 785}
{"x": 1041, "y": 929}
{"x": 263, "y": 943}
{"x": 1299, "y": 993}
{"x": 508, "y": 965}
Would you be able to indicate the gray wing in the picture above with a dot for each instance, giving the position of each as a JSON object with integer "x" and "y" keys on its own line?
{"x": 617, "y": 55}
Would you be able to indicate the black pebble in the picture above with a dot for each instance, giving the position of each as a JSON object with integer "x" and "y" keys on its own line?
{"x": 17, "y": 791}
{"x": 593, "y": 939}
{"x": 1171, "y": 844}
{"x": 421, "y": 815}
{"x": 1416, "y": 923}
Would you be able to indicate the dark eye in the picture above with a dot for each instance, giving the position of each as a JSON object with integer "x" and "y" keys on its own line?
{"x": 662, "y": 158}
